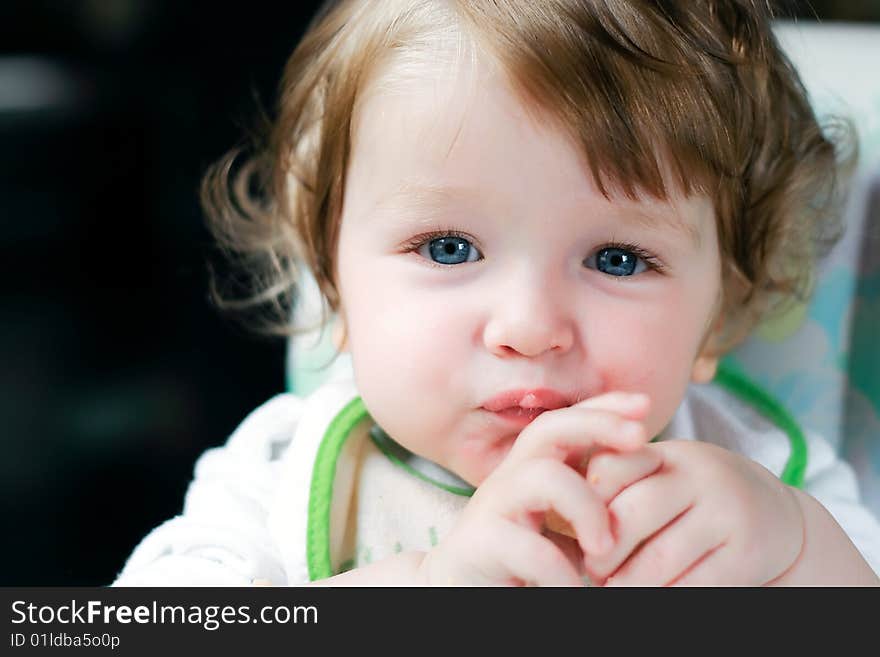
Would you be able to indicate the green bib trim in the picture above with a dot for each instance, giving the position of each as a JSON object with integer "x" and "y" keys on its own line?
{"x": 732, "y": 379}
{"x": 397, "y": 455}
{"x": 321, "y": 491}
{"x": 728, "y": 377}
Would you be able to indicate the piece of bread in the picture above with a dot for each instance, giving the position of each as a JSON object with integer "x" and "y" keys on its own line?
{"x": 556, "y": 523}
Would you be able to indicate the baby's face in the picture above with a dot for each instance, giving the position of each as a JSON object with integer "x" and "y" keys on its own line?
{"x": 476, "y": 256}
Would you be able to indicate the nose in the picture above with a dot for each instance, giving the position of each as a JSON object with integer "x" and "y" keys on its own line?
{"x": 530, "y": 319}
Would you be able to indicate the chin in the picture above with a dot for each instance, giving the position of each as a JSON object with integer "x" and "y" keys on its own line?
{"x": 477, "y": 470}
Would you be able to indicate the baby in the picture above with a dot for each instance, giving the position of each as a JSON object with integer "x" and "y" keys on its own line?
{"x": 538, "y": 227}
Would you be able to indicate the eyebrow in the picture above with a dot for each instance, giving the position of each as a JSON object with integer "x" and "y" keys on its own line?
{"x": 655, "y": 220}
{"x": 426, "y": 200}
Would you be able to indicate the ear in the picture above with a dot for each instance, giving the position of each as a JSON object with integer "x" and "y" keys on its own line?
{"x": 704, "y": 368}
{"x": 340, "y": 341}
{"x": 706, "y": 363}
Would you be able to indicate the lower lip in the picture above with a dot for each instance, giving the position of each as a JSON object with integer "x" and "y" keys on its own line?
{"x": 518, "y": 417}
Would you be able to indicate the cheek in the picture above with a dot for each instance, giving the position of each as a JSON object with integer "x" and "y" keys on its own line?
{"x": 409, "y": 354}
{"x": 651, "y": 350}
{"x": 393, "y": 328}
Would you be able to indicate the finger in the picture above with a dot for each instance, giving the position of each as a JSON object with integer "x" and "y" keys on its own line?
{"x": 632, "y": 405}
{"x": 639, "y": 512}
{"x": 533, "y": 559}
{"x": 544, "y": 485}
{"x": 570, "y": 434}
{"x": 610, "y": 472}
{"x": 720, "y": 567}
{"x": 670, "y": 553}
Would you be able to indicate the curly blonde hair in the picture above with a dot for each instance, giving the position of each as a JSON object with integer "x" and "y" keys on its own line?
{"x": 701, "y": 87}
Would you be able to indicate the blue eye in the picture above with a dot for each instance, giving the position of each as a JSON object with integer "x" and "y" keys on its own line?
{"x": 449, "y": 250}
{"x": 618, "y": 262}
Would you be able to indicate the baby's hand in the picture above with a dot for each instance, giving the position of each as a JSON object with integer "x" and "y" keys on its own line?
{"x": 706, "y": 516}
{"x": 500, "y": 537}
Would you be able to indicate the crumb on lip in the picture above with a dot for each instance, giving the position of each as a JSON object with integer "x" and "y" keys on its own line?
{"x": 528, "y": 411}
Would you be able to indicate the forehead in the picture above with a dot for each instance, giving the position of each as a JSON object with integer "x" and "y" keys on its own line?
{"x": 440, "y": 136}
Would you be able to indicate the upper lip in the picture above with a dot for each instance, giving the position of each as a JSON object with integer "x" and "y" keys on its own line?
{"x": 545, "y": 398}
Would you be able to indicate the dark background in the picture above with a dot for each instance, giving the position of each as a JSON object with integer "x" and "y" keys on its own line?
{"x": 115, "y": 370}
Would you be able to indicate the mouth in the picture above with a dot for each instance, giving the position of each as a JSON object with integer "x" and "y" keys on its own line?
{"x": 517, "y": 416}
{"x": 521, "y": 406}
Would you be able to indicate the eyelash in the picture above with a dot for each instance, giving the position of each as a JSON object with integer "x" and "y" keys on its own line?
{"x": 416, "y": 242}
{"x": 650, "y": 260}
{"x": 419, "y": 240}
